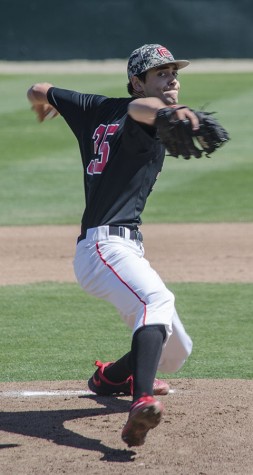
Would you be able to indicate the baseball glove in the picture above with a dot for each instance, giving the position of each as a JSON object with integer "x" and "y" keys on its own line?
{"x": 180, "y": 140}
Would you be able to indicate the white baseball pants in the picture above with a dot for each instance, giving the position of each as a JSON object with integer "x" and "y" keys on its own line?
{"x": 114, "y": 269}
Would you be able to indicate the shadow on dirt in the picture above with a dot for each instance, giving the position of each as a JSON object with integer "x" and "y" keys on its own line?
{"x": 49, "y": 425}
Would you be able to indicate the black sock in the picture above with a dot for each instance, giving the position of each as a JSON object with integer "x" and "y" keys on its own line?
{"x": 120, "y": 370}
{"x": 146, "y": 352}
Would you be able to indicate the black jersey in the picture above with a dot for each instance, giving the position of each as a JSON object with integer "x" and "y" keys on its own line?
{"x": 121, "y": 157}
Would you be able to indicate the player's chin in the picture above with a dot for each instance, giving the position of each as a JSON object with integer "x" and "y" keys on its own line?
{"x": 170, "y": 99}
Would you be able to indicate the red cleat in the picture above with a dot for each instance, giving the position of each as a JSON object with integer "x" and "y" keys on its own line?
{"x": 145, "y": 414}
{"x": 102, "y": 386}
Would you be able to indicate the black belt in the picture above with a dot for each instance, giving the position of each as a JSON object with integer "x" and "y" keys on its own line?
{"x": 120, "y": 231}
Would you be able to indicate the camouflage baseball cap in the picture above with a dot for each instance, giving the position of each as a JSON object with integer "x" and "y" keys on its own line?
{"x": 150, "y": 56}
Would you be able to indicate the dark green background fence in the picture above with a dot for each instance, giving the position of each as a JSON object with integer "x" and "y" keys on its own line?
{"x": 98, "y": 29}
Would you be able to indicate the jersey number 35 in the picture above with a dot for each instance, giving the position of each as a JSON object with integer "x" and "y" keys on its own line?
{"x": 101, "y": 147}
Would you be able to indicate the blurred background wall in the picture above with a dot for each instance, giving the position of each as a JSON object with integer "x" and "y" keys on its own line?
{"x": 99, "y": 29}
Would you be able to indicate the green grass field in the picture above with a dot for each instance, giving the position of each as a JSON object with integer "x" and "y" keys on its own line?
{"x": 54, "y": 331}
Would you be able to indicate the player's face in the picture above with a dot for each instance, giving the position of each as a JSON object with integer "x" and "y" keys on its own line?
{"x": 162, "y": 83}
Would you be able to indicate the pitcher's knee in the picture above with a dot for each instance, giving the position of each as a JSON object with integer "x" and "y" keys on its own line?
{"x": 160, "y": 308}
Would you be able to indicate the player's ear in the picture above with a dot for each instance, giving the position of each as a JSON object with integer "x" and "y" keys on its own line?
{"x": 137, "y": 84}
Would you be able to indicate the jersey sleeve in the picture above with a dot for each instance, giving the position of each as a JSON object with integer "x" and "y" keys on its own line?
{"x": 73, "y": 106}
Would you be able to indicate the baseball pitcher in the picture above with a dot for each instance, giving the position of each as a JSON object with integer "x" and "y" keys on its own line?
{"x": 123, "y": 142}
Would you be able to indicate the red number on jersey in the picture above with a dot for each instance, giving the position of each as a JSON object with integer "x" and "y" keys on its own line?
{"x": 101, "y": 147}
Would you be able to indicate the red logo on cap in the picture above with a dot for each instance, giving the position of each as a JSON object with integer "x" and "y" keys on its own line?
{"x": 164, "y": 52}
